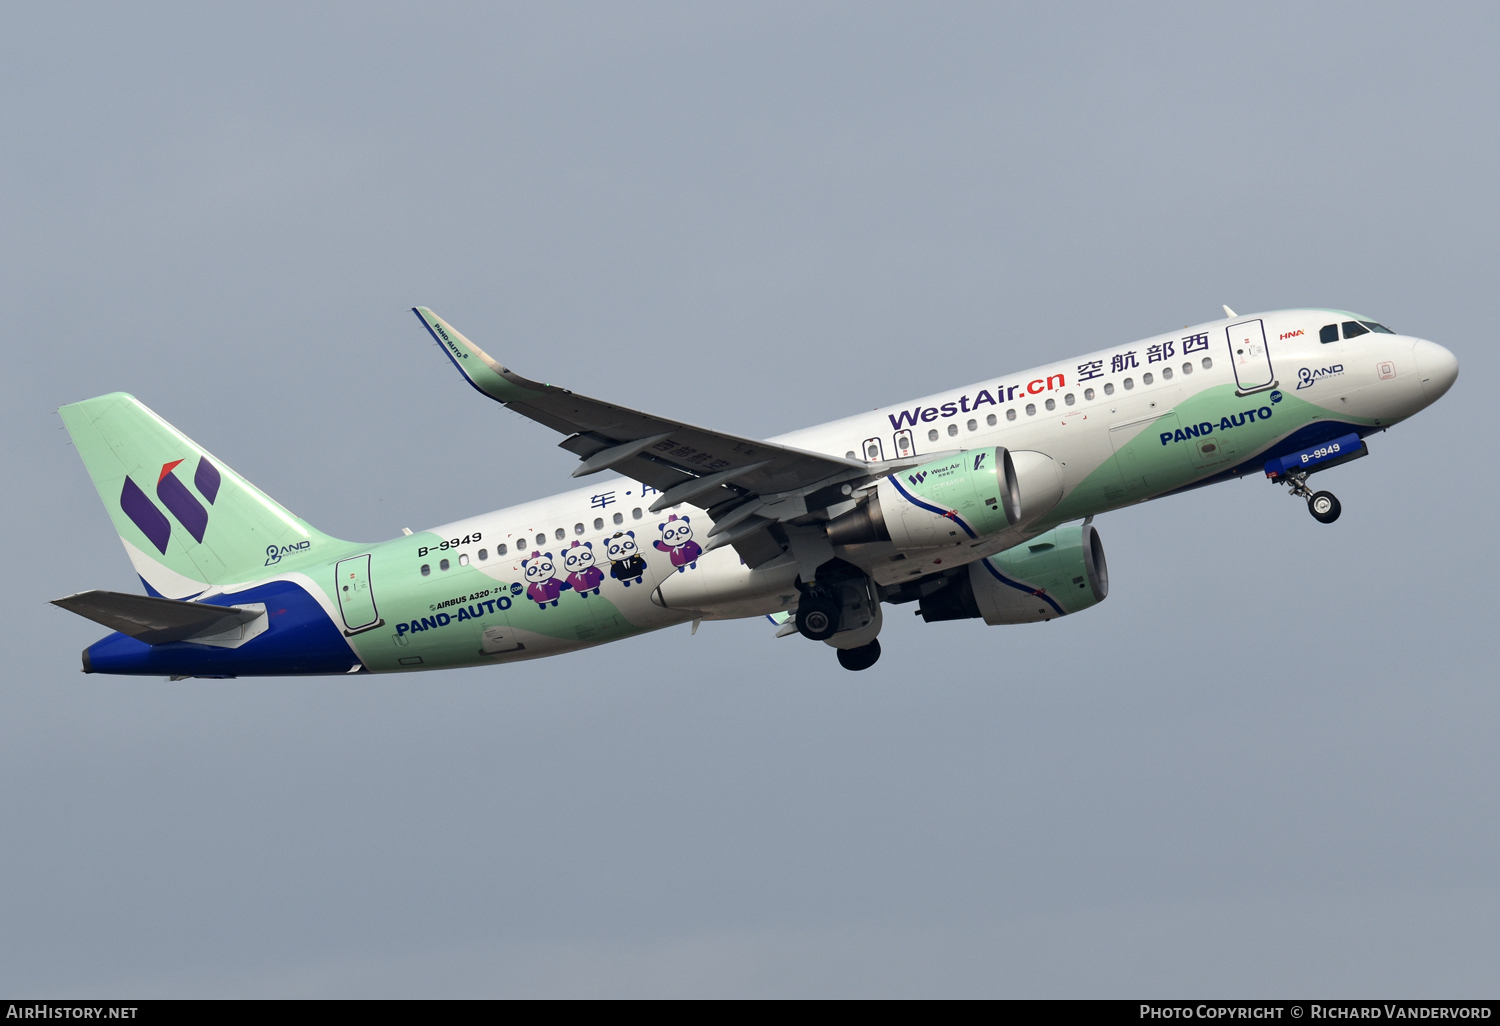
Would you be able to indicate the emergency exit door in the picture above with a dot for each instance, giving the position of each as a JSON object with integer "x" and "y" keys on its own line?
{"x": 356, "y": 600}
{"x": 1250, "y": 355}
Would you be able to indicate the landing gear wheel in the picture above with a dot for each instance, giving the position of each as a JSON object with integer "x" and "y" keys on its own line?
{"x": 1324, "y": 506}
{"x": 861, "y": 658}
{"x": 817, "y": 618}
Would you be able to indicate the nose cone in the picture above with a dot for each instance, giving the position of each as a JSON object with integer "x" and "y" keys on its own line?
{"x": 1438, "y": 367}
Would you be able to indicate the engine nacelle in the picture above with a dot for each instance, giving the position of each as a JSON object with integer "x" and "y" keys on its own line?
{"x": 1060, "y": 572}
{"x": 954, "y": 500}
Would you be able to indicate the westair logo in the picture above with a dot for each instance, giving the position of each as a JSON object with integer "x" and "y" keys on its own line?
{"x": 917, "y": 478}
{"x": 179, "y": 500}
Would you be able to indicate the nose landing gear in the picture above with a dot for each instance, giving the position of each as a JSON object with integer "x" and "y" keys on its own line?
{"x": 1324, "y": 506}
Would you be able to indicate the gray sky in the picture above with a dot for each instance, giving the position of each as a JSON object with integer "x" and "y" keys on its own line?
{"x": 1265, "y": 766}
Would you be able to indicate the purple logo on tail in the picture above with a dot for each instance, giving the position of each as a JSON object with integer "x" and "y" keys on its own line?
{"x": 174, "y": 495}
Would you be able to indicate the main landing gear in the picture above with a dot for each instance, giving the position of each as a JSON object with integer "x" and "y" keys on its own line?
{"x": 861, "y": 658}
{"x": 818, "y": 616}
{"x": 842, "y": 609}
{"x": 1324, "y": 506}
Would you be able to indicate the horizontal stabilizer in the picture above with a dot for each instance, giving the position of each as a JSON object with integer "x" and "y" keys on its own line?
{"x": 156, "y": 621}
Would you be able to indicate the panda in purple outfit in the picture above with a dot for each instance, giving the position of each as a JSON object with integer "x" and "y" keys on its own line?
{"x": 542, "y": 585}
{"x": 677, "y": 538}
{"x": 583, "y": 575}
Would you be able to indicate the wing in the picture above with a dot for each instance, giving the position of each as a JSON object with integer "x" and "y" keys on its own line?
{"x": 744, "y": 483}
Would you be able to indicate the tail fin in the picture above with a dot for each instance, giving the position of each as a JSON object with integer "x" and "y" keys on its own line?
{"x": 188, "y": 522}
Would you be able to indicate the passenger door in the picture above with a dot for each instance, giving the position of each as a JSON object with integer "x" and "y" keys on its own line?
{"x": 1250, "y": 355}
{"x": 356, "y": 599}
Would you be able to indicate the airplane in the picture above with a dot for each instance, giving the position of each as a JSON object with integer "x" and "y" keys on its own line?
{"x": 975, "y": 503}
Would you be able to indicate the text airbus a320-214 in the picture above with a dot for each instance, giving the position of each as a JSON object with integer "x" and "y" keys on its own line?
{"x": 976, "y": 503}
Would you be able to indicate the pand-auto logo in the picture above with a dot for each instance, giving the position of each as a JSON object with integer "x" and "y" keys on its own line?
{"x": 275, "y": 552}
{"x": 1309, "y": 376}
{"x": 178, "y": 499}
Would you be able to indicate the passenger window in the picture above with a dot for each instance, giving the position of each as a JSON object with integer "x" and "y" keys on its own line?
{"x": 932, "y": 435}
{"x": 484, "y": 554}
{"x": 541, "y": 539}
{"x": 1187, "y": 368}
{"x": 500, "y": 549}
{"x": 577, "y": 528}
{"x": 1088, "y": 395}
{"x": 1166, "y": 373}
{"x": 463, "y": 559}
{"x": 990, "y": 420}
{"x": 851, "y": 455}
{"x": 1051, "y": 404}
{"x": 1328, "y": 333}
{"x": 635, "y": 514}
{"x": 598, "y": 523}
{"x": 1010, "y": 414}
{"x": 619, "y": 518}
{"x": 426, "y": 569}
{"x": 1146, "y": 378}
{"x": 1381, "y": 328}
{"x": 872, "y": 452}
{"x": 1354, "y": 329}
{"x": 1128, "y": 383}
{"x": 1069, "y": 399}
{"x": 1208, "y": 363}
{"x": 443, "y": 564}
{"x": 973, "y": 425}
{"x": 1109, "y": 388}
{"x": 1031, "y": 409}
{"x": 952, "y": 430}
{"x": 559, "y": 534}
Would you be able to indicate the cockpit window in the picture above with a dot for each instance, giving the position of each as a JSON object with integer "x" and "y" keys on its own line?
{"x": 1381, "y": 328}
{"x": 1353, "y": 329}
{"x": 1330, "y": 333}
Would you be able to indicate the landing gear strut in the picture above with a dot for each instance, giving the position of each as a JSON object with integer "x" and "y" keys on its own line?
{"x": 1324, "y": 506}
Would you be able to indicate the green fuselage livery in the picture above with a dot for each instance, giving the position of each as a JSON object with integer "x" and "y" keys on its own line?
{"x": 976, "y": 503}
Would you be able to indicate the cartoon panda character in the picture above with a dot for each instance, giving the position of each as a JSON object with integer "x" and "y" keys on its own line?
{"x": 625, "y": 561}
{"x": 542, "y": 585}
{"x": 677, "y": 538}
{"x": 583, "y": 575}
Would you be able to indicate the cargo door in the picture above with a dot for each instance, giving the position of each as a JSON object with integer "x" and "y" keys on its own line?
{"x": 1250, "y": 355}
{"x": 356, "y": 599}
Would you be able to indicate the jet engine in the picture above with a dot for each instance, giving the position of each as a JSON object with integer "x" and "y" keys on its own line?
{"x": 953, "y": 500}
{"x": 1060, "y": 572}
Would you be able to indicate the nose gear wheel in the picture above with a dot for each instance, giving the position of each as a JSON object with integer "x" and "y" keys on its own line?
{"x": 1324, "y": 506}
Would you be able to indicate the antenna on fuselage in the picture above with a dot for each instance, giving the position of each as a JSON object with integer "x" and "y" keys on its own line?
{"x": 1229, "y": 313}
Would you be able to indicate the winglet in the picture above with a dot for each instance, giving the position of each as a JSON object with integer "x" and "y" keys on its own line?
{"x": 478, "y": 367}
